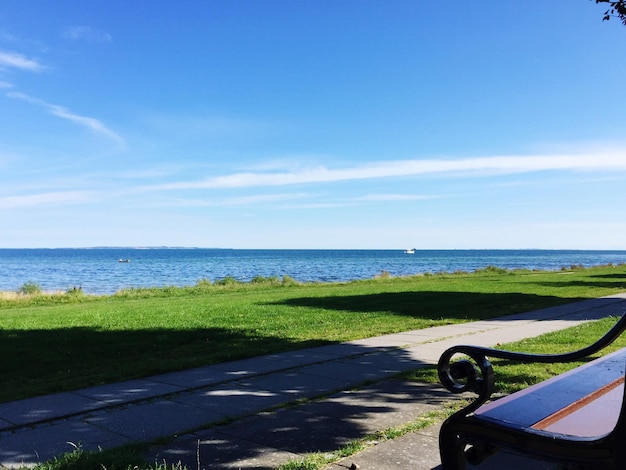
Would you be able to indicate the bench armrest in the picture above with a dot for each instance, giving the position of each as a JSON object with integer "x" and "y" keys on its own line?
{"x": 476, "y": 373}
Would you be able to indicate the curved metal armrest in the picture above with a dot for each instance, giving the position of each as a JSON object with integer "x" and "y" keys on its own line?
{"x": 476, "y": 375}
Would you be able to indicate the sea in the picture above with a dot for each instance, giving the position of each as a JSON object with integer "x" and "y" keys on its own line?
{"x": 108, "y": 270}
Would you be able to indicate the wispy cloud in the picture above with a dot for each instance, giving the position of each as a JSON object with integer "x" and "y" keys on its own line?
{"x": 393, "y": 197}
{"x": 86, "y": 33}
{"x": 239, "y": 201}
{"x": 612, "y": 163}
{"x": 320, "y": 205}
{"x": 406, "y": 168}
{"x": 19, "y": 61}
{"x": 88, "y": 122}
{"x": 5, "y": 85}
{"x": 263, "y": 198}
{"x": 50, "y": 198}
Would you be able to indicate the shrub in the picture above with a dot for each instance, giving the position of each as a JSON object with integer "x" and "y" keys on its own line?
{"x": 270, "y": 281}
{"x": 227, "y": 281}
{"x": 492, "y": 270}
{"x": 289, "y": 281}
{"x": 204, "y": 283}
{"x": 30, "y": 288}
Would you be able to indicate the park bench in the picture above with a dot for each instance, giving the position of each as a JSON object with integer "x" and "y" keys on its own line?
{"x": 576, "y": 420}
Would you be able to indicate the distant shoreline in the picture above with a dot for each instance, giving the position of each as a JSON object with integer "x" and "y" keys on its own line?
{"x": 97, "y": 270}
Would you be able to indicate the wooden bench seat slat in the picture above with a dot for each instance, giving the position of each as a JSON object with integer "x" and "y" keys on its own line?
{"x": 536, "y": 403}
{"x": 594, "y": 415}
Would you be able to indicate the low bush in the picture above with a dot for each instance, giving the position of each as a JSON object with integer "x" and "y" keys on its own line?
{"x": 29, "y": 288}
{"x": 266, "y": 281}
{"x": 289, "y": 281}
{"x": 492, "y": 270}
{"x": 227, "y": 281}
{"x": 204, "y": 283}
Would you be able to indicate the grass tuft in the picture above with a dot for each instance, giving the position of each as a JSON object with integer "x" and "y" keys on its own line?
{"x": 122, "y": 458}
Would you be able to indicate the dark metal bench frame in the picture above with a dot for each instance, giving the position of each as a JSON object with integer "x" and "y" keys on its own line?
{"x": 466, "y": 438}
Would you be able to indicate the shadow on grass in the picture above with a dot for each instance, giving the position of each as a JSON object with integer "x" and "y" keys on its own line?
{"x": 609, "y": 276}
{"x": 41, "y": 361}
{"x": 434, "y": 305}
{"x": 608, "y": 284}
{"x": 605, "y": 281}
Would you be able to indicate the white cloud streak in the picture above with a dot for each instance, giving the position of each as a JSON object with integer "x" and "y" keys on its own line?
{"x": 395, "y": 169}
{"x": 86, "y": 33}
{"x": 49, "y": 198}
{"x": 88, "y": 122}
{"x": 239, "y": 201}
{"x": 474, "y": 167}
{"x": 261, "y": 199}
{"x": 393, "y": 197}
{"x": 19, "y": 61}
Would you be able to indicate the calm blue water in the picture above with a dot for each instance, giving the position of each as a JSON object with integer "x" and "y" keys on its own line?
{"x": 98, "y": 271}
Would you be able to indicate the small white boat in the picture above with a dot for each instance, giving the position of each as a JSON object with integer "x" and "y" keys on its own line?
{"x": 410, "y": 251}
{"x": 123, "y": 260}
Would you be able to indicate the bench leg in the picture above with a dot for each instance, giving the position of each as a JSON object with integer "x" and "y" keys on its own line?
{"x": 451, "y": 449}
{"x": 456, "y": 452}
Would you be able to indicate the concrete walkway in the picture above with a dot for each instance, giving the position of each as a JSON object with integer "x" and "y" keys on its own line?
{"x": 217, "y": 415}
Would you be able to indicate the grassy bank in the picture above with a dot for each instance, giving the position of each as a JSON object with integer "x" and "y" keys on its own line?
{"x": 51, "y": 343}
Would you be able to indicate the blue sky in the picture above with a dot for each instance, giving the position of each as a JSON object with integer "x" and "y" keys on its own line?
{"x": 312, "y": 124}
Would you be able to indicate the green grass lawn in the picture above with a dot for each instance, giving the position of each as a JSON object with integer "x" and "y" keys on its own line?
{"x": 54, "y": 343}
